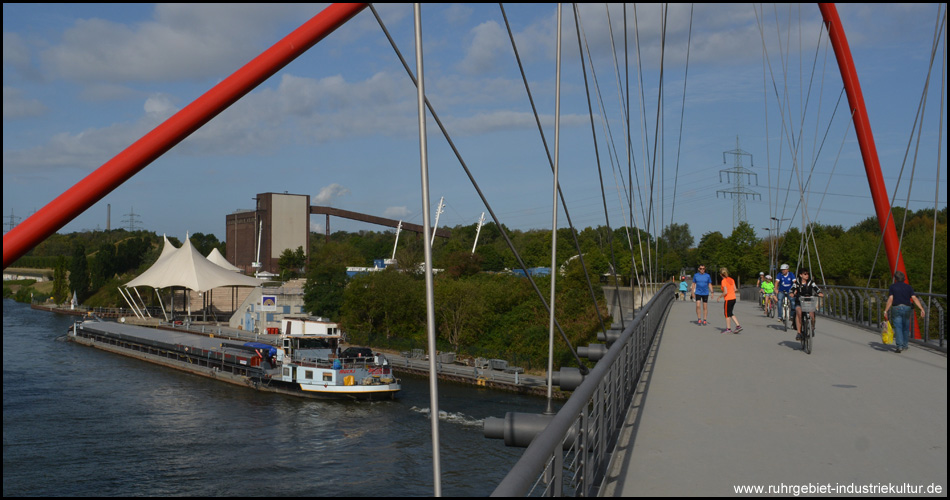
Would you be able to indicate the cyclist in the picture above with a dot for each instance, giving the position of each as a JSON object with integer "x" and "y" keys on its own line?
{"x": 768, "y": 291}
{"x": 758, "y": 284}
{"x": 783, "y": 283}
{"x": 804, "y": 287}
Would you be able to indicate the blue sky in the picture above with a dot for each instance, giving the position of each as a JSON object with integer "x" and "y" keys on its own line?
{"x": 81, "y": 82}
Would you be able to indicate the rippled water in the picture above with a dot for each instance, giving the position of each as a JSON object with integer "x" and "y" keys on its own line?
{"x": 79, "y": 421}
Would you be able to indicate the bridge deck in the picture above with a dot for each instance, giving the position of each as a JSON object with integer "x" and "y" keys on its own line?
{"x": 717, "y": 411}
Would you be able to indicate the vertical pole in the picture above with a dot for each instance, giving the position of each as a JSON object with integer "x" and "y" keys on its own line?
{"x": 557, "y": 132}
{"x": 427, "y": 245}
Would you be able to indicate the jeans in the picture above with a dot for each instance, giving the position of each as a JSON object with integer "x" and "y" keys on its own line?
{"x": 901, "y": 320}
{"x": 791, "y": 304}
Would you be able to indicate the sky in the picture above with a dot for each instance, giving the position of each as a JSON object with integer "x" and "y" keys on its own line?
{"x": 81, "y": 82}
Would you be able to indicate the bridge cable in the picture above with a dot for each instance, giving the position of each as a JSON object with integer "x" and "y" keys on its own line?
{"x": 679, "y": 145}
{"x": 582, "y": 367}
{"x": 600, "y": 174}
{"x": 918, "y": 117}
{"x": 607, "y": 133}
{"x": 933, "y": 244}
{"x": 547, "y": 151}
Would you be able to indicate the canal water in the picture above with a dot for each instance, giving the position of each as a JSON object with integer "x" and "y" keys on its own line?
{"x": 78, "y": 421}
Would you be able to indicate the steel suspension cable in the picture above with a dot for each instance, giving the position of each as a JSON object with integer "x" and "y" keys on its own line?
{"x": 600, "y": 174}
{"x": 679, "y": 145}
{"x": 917, "y": 118}
{"x": 560, "y": 193}
{"x": 933, "y": 244}
{"x": 583, "y": 368}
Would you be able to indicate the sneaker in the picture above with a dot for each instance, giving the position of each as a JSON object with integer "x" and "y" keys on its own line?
{"x": 738, "y": 329}
{"x": 798, "y": 337}
{"x": 728, "y": 330}
{"x": 705, "y": 322}
{"x": 898, "y": 350}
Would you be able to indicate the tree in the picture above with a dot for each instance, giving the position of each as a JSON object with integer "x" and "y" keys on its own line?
{"x": 459, "y": 310}
{"x": 327, "y": 279}
{"x": 60, "y": 286}
{"x": 678, "y": 238}
{"x": 79, "y": 273}
{"x": 291, "y": 263}
{"x": 460, "y": 264}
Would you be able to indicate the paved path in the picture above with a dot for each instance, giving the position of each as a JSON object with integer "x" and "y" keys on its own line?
{"x": 717, "y": 411}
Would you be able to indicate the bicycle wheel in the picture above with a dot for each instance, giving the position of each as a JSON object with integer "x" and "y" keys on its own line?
{"x": 785, "y": 313}
{"x": 806, "y": 333}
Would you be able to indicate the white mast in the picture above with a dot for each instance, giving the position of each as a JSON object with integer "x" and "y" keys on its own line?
{"x": 398, "y": 228}
{"x": 438, "y": 212}
{"x": 257, "y": 264}
{"x": 481, "y": 220}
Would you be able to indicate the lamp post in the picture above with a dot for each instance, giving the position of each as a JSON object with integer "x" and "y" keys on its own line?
{"x": 774, "y": 252}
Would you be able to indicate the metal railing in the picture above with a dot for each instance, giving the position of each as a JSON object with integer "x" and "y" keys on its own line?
{"x": 571, "y": 455}
{"x": 864, "y": 307}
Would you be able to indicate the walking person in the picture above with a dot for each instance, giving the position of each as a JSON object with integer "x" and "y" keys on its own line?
{"x": 900, "y": 296}
{"x": 728, "y": 289}
{"x": 684, "y": 287}
{"x": 700, "y": 290}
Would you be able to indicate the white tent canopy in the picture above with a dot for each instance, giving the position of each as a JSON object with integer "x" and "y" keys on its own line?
{"x": 167, "y": 250}
{"x": 185, "y": 267}
{"x": 216, "y": 257}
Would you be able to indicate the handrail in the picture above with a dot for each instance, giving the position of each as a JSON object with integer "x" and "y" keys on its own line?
{"x": 864, "y": 307}
{"x": 579, "y": 437}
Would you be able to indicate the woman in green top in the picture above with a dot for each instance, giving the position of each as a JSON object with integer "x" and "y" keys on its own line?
{"x": 768, "y": 291}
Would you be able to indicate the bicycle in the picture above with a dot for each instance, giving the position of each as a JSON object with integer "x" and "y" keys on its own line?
{"x": 785, "y": 311}
{"x": 769, "y": 307}
{"x": 808, "y": 332}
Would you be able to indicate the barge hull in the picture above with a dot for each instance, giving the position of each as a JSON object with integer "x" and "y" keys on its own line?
{"x": 199, "y": 355}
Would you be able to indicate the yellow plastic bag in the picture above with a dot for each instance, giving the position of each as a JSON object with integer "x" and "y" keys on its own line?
{"x": 887, "y": 334}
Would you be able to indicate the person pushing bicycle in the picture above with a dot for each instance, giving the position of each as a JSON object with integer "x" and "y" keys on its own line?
{"x": 803, "y": 287}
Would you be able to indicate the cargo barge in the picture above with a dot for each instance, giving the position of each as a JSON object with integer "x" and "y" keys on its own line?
{"x": 305, "y": 362}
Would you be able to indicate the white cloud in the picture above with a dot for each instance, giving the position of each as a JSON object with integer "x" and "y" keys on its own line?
{"x": 183, "y": 42}
{"x": 489, "y": 43}
{"x": 15, "y": 105}
{"x": 397, "y": 212}
{"x": 328, "y": 194}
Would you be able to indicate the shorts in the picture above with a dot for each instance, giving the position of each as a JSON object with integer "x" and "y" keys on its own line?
{"x": 704, "y": 298}
{"x": 730, "y": 305}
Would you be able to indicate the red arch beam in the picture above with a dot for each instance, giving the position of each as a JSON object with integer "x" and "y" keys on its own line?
{"x": 862, "y": 128}
{"x": 124, "y": 165}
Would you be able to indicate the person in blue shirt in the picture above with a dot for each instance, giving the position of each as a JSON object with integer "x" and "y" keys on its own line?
{"x": 684, "y": 287}
{"x": 702, "y": 285}
{"x": 900, "y": 297}
{"x": 783, "y": 284}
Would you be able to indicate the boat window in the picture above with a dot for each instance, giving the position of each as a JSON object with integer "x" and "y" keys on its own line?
{"x": 308, "y": 375}
{"x": 313, "y": 344}
{"x": 327, "y": 377}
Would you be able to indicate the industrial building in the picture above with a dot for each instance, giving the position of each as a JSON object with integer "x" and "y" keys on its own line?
{"x": 281, "y": 222}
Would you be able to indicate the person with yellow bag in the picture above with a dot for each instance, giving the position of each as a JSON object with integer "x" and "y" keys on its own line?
{"x": 900, "y": 296}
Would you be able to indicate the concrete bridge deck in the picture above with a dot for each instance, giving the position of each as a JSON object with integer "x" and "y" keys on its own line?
{"x": 719, "y": 411}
